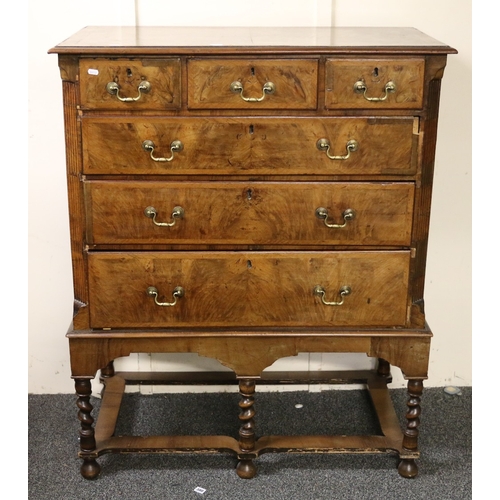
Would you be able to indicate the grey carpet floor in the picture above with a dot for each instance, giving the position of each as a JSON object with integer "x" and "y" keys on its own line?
{"x": 445, "y": 466}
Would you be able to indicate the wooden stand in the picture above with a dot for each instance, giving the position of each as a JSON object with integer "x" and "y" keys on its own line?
{"x": 102, "y": 439}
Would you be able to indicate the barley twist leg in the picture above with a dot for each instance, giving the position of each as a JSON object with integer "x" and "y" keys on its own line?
{"x": 246, "y": 468}
{"x": 90, "y": 468}
{"x": 407, "y": 467}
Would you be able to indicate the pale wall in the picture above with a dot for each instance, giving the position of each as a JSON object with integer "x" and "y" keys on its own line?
{"x": 448, "y": 286}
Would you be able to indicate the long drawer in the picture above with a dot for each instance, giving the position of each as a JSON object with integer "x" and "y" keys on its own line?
{"x": 252, "y": 145}
{"x": 248, "y": 289}
{"x": 299, "y": 213}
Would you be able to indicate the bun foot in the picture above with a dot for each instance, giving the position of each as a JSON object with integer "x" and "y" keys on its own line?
{"x": 90, "y": 469}
{"x": 246, "y": 469}
{"x": 408, "y": 468}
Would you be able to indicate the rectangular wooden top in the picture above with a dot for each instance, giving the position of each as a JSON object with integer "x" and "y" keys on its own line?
{"x": 162, "y": 40}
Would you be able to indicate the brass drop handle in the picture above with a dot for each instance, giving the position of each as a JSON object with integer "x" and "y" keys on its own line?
{"x": 361, "y": 88}
{"x": 175, "y": 147}
{"x": 177, "y": 213}
{"x": 343, "y": 292}
{"x": 324, "y": 145}
{"x": 268, "y": 88}
{"x": 176, "y": 294}
{"x": 114, "y": 89}
{"x": 348, "y": 214}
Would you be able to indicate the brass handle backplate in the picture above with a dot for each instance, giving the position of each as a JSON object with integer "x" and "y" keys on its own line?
{"x": 268, "y": 88}
{"x": 361, "y": 88}
{"x": 324, "y": 145}
{"x": 177, "y": 213}
{"x": 114, "y": 89}
{"x": 175, "y": 147}
{"x": 176, "y": 294}
{"x": 343, "y": 292}
{"x": 322, "y": 213}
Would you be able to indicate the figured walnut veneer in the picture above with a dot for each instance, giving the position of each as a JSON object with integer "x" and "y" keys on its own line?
{"x": 249, "y": 194}
{"x": 244, "y": 146}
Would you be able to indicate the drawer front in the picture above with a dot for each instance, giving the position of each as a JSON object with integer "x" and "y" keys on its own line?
{"x": 130, "y": 84}
{"x": 267, "y": 146}
{"x": 249, "y": 213}
{"x": 374, "y": 83}
{"x": 248, "y": 289}
{"x": 252, "y": 84}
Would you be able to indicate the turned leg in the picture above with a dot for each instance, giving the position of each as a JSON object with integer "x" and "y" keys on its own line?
{"x": 383, "y": 368}
{"x": 108, "y": 371}
{"x": 407, "y": 467}
{"x": 90, "y": 468}
{"x": 246, "y": 468}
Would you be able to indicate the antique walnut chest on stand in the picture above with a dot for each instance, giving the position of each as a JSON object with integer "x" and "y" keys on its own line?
{"x": 248, "y": 195}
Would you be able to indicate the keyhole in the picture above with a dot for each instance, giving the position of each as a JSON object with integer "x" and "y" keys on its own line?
{"x": 252, "y": 70}
{"x": 375, "y": 72}
{"x": 249, "y": 264}
{"x": 129, "y": 72}
{"x": 250, "y": 129}
{"x": 249, "y": 194}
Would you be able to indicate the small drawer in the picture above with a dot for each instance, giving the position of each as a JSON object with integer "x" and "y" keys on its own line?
{"x": 252, "y": 84}
{"x": 242, "y": 146}
{"x": 374, "y": 83}
{"x": 249, "y": 213}
{"x": 248, "y": 289}
{"x": 130, "y": 84}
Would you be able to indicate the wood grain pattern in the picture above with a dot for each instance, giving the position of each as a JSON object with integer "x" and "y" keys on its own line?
{"x": 230, "y": 213}
{"x": 209, "y": 82}
{"x": 164, "y": 75}
{"x": 250, "y": 250}
{"x": 214, "y": 40}
{"x": 75, "y": 203}
{"x": 423, "y": 194}
{"x": 342, "y": 74}
{"x": 262, "y": 289}
{"x": 245, "y": 146}
{"x": 249, "y": 351}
